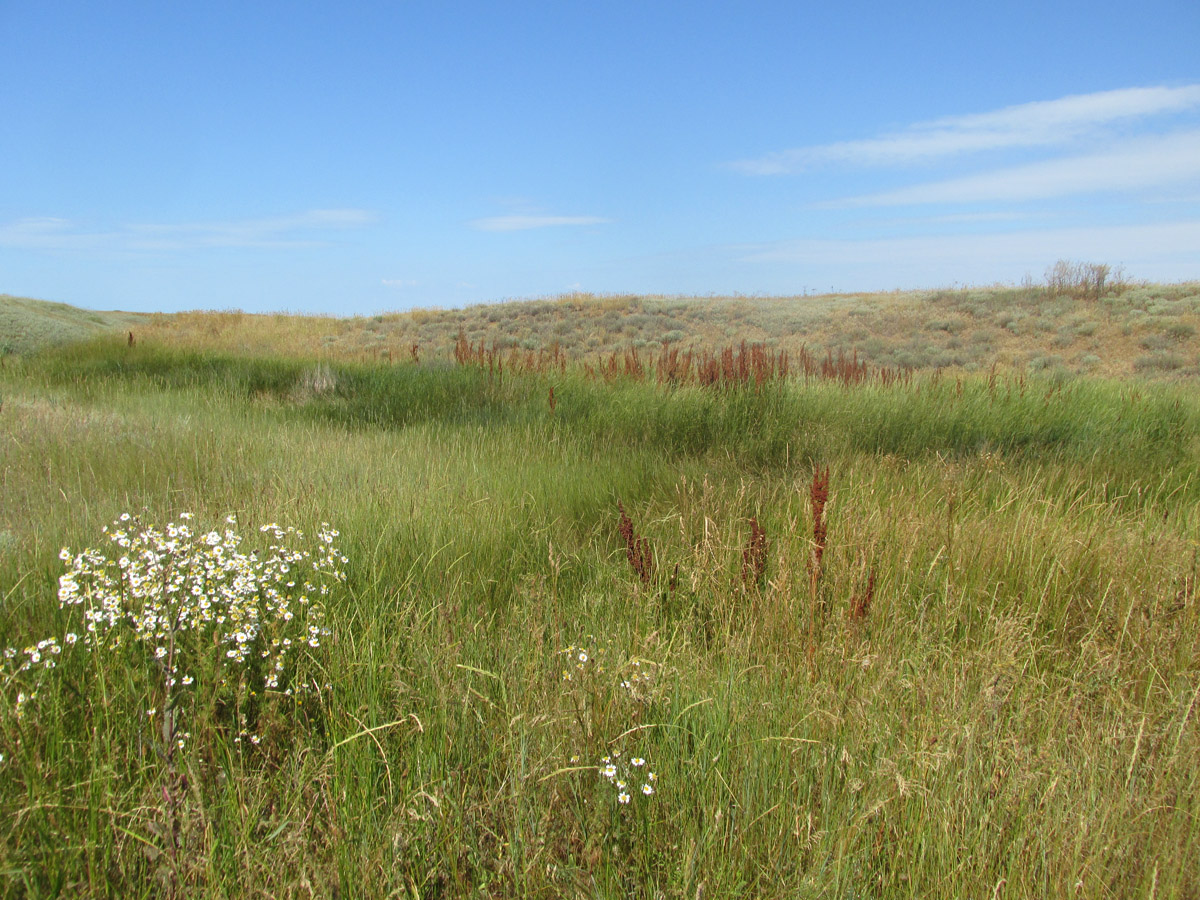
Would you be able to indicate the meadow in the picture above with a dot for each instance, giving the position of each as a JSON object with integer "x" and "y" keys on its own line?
{"x": 876, "y": 629}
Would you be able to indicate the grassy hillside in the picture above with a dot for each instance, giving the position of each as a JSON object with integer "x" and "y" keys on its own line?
{"x": 935, "y": 637}
{"x": 1148, "y": 330}
{"x": 27, "y": 325}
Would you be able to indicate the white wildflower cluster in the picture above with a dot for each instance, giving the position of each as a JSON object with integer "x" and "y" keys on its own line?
{"x": 629, "y": 777}
{"x": 195, "y": 603}
{"x": 592, "y": 695}
{"x": 580, "y": 661}
{"x": 43, "y": 654}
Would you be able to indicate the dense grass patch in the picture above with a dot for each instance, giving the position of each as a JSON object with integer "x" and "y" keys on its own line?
{"x": 804, "y": 420}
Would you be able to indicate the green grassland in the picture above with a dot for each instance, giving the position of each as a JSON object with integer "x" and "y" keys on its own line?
{"x": 971, "y": 669}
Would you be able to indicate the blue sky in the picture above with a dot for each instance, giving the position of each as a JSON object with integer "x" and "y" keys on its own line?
{"x": 354, "y": 158}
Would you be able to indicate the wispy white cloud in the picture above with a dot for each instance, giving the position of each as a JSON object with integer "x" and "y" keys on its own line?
{"x": 298, "y": 230}
{"x": 966, "y": 218}
{"x": 1038, "y": 124}
{"x": 1141, "y": 163}
{"x": 1133, "y": 245}
{"x": 49, "y": 233}
{"x": 399, "y": 282}
{"x": 527, "y": 222}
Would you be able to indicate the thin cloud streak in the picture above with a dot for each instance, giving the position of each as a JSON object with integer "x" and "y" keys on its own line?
{"x": 1038, "y": 124}
{"x": 1143, "y": 163}
{"x": 526, "y": 223}
{"x": 49, "y": 233}
{"x": 1129, "y": 244}
{"x": 298, "y": 230}
{"x": 967, "y": 218}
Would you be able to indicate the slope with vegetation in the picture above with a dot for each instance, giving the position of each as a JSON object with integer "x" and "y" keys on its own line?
{"x": 1148, "y": 330}
{"x": 27, "y": 325}
{"x": 1069, "y": 326}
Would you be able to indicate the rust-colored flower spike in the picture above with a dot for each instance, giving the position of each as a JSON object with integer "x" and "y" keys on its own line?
{"x": 860, "y": 604}
{"x": 463, "y": 352}
{"x": 754, "y": 555}
{"x": 637, "y": 548}
{"x": 626, "y": 526}
{"x": 553, "y": 402}
{"x": 818, "y": 495}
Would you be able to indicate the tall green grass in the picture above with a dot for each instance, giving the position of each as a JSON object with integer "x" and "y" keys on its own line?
{"x": 1015, "y": 716}
{"x": 771, "y": 425}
